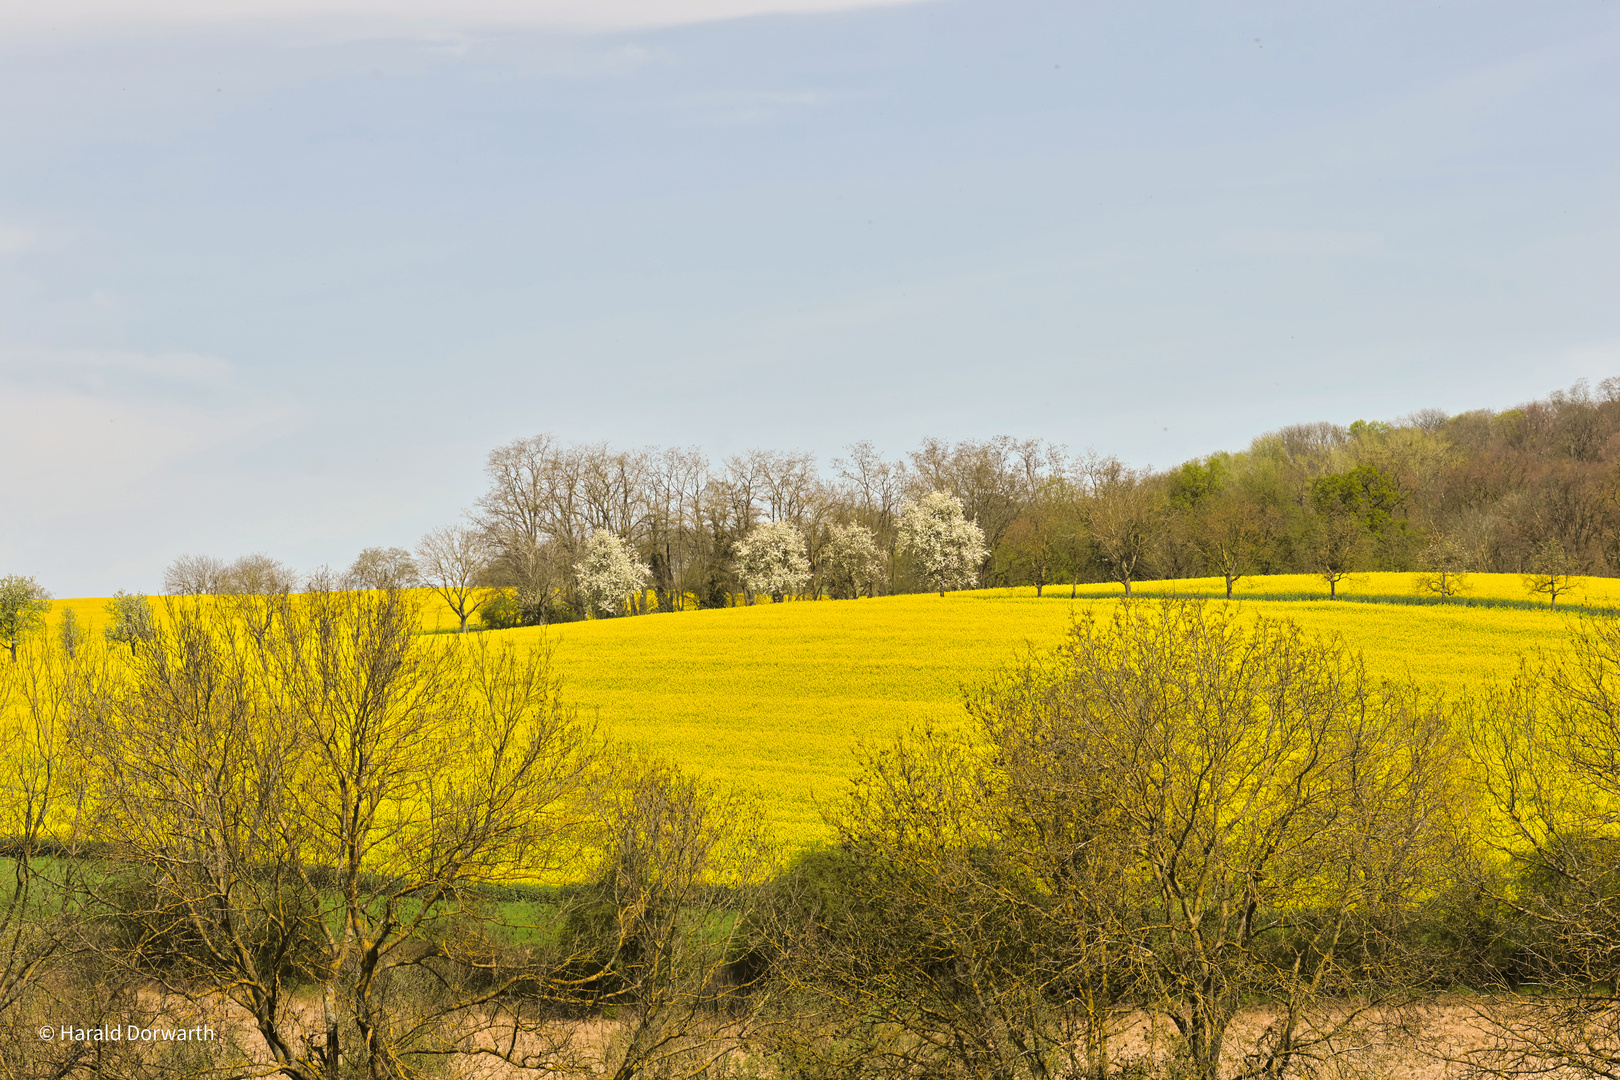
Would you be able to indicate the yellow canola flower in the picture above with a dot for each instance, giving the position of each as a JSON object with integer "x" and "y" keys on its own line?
{"x": 776, "y": 698}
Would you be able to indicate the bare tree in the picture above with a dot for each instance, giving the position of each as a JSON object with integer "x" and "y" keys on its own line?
{"x": 535, "y": 516}
{"x": 318, "y": 799}
{"x": 1175, "y": 813}
{"x": 382, "y": 568}
{"x": 258, "y": 574}
{"x": 1446, "y": 562}
{"x": 1232, "y": 531}
{"x": 453, "y": 560}
{"x": 1124, "y": 517}
{"x": 676, "y": 544}
{"x": 1265, "y": 788}
{"x": 1552, "y": 571}
{"x": 39, "y": 918}
{"x": 1337, "y": 543}
{"x": 194, "y": 575}
{"x": 681, "y": 883}
{"x": 1547, "y": 747}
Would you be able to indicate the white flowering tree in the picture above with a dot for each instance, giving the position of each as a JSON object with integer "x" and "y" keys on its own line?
{"x": 852, "y": 559}
{"x": 947, "y": 546}
{"x": 607, "y": 573}
{"x": 771, "y": 560}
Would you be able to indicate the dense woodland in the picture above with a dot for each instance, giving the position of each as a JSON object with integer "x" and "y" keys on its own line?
{"x": 1530, "y": 489}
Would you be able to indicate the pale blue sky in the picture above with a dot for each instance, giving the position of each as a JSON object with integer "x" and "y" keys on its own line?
{"x": 278, "y": 281}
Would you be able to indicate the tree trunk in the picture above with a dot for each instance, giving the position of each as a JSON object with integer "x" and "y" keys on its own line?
{"x": 332, "y": 1052}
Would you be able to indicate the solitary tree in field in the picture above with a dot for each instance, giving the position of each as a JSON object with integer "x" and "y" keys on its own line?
{"x": 23, "y": 604}
{"x": 69, "y": 634}
{"x": 382, "y": 568}
{"x": 1446, "y": 562}
{"x": 452, "y": 559}
{"x": 771, "y": 560}
{"x": 1232, "y": 531}
{"x": 194, "y": 575}
{"x": 946, "y": 546}
{"x": 258, "y": 575}
{"x": 1552, "y": 571}
{"x": 607, "y": 573}
{"x": 129, "y": 619}
{"x": 1338, "y": 539}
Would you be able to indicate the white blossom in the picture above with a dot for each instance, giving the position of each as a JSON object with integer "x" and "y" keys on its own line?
{"x": 771, "y": 560}
{"x": 607, "y": 573}
{"x": 852, "y": 558}
{"x": 946, "y": 546}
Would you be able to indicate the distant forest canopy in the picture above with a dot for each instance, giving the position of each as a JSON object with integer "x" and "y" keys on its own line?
{"x": 1534, "y": 489}
{"x": 568, "y": 529}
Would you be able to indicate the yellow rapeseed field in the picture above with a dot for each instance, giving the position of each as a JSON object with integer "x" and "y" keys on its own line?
{"x": 776, "y": 698}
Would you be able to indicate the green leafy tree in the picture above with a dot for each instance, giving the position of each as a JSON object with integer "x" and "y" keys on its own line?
{"x": 23, "y": 604}
{"x": 69, "y": 634}
{"x": 1367, "y": 496}
{"x": 129, "y": 619}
